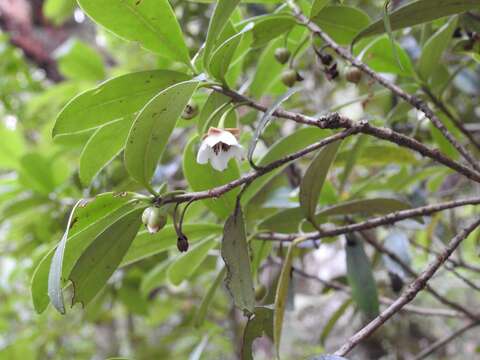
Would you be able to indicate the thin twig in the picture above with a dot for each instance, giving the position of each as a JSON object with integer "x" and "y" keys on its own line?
{"x": 442, "y": 342}
{"x": 414, "y": 288}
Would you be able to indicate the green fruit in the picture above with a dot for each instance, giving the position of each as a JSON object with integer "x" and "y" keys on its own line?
{"x": 260, "y": 292}
{"x": 190, "y": 111}
{"x": 289, "y": 77}
{"x": 354, "y": 75}
{"x": 282, "y": 55}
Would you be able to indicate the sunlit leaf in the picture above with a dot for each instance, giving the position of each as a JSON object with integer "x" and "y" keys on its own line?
{"x": 261, "y": 323}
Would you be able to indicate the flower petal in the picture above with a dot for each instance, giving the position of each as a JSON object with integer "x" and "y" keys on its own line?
{"x": 236, "y": 152}
{"x": 220, "y": 162}
{"x": 204, "y": 153}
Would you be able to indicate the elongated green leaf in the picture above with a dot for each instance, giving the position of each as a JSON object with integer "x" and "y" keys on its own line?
{"x": 314, "y": 177}
{"x": 418, "y": 12}
{"x": 152, "y": 23}
{"x": 265, "y": 119}
{"x": 337, "y": 314}
{"x": 203, "y": 177}
{"x": 102, "y": 147}
{"x": 146, "y": 244}
{"x": 213, "y": 110}
{"x": 268, "y": 27}
{"x": 317, "y": 6}
{"x": 112, "y": 100}
{"x": 235, "y": 254}
{"x": 380, "y": 56}
{"x": 343, "y": 32}
{"x": 281, "y": 296}
{"x": 258, "y": 325}
{"x": 284, "y": 146}
{"x": 202, "y": 310}
{"x": 102, "y": 257}
{"x": 288, "y": 220}
{"x": 186, "y": 264}
{"x": 223, "y": 54}
{"x": 55, "y": 284}
{"x": 360, "y": 278}
{"x": 221, "y": 14}
{"x": 434, "y": 48}
{"x": 152, "y": 128}
{"x": 91, "y": 218}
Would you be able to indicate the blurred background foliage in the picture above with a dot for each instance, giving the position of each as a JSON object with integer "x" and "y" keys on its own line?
{"x": 50, "y": 51}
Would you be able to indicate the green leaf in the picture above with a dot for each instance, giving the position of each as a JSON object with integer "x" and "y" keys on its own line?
{"x": 237, "y": 260}
{"x": 152, "y": 128}
{"x": 91, "y": 218}
{"x": 265, "y": 119}
{"x": 113, "y": 100}
{"x": 37, "y": 173}
{"x": 314, "y": 177}
{"x": 102, "y": 147}
{"x": 342, "y": 23}
{"x": 152, "y": 23}
{"x": 317, "y": 6}
{"x": 288, "y": 220}
{"x": 201, "y": 313}
{"x": 11, "y": 148}
{"x": 281, "y": 295}
{"x": 78, "y": 61}
{"x": 360, "y": 278}
{"x": 146, "y": 244}
{"x": 223, "y": 54}
{"x": 258, "y": 325}
{"x": 210, "y": 115}
{"x": 418, "y": 12}
{"x": 284, "y": 146}
{"x": 379, "y": 55}
{"x": 268, "y": 27}
{"x": 203, "y": 177}
{"x": 434, "y": 48}
{"x": 102, "y": 257}
{"x": 221, "y": 14}
{"x": 185, "y": 265}
{"x": 337, "y": 314}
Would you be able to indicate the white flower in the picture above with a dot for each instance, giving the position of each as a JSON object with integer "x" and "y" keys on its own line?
{"x": 219, "y": 146}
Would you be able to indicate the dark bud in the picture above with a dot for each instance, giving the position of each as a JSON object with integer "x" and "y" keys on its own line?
{"x": 326, "y": 59}
{"x": 457, "y": 33}
{"x": 182, "y": 243}
{"x": 396, "y": 282}
{"x": 290, "y": 77}
{"x": 190, "y": 111}
{"x": 353, "y": 75}
{"x": 282, "y": 55}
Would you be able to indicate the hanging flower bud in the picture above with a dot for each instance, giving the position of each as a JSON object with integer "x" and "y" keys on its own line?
{"x": 218, "y": 147}
{"x": 282, "y": 55}
{"x": 154, "y": 219}
{"x": 182, "y": 243}
{"x": 190, "y": 111}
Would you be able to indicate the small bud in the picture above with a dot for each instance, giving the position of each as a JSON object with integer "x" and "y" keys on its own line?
{"x": 289, "y": 77}
{"x": 154, "y": 219}
{"x": 282, "y": 55}
{"x": 260, "y": 292}
{"x": 190, "y": 111}
{"x": 354, "y": 75}
{"x": 182, "y": 243}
